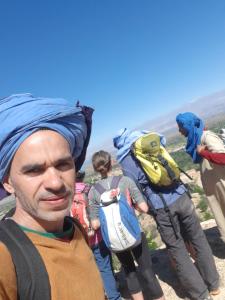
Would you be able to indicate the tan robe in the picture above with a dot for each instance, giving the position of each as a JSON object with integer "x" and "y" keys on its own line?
{"x": 71, "y": 267}
{"x": 213, "y": 180}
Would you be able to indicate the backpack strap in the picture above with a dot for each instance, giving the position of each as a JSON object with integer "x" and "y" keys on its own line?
{"x": 115, "y": 182}
{"x": 166, "y": 165}
{"x": 32, "y": 277}
{"x": 172, "y": 175}
{"x": 167, "y": 210}
{"x": 99, "y": 188}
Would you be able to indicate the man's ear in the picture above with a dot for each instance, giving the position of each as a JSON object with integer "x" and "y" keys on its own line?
{"x": 7, "y": 183}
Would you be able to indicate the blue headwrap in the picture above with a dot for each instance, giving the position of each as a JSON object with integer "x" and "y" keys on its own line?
{"x": 22, "y": 114}
{"x": 193, "y": 127}
{"x": 125, "y": 138}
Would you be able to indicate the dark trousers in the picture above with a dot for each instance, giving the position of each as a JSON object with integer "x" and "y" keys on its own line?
{"x": 142, "y": 256}
{"x": 196, "y": 281}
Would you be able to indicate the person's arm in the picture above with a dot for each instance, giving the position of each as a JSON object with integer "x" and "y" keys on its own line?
{"x": 136, "y": 196}
{"x": 143, "y": 207}
{"x": 93, "y": 208}
{"x": 216, "y": 158}
{"x": 95, "y": 224}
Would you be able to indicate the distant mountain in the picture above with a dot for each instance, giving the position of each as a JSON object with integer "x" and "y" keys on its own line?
{"x": 208, "y": 108}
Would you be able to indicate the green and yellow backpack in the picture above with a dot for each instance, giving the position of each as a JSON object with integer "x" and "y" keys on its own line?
{"x": 156, "y": 162}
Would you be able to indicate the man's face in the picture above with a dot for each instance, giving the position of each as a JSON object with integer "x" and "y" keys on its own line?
{"x": 42, "y": 176}
{"x": 182, "y": 131}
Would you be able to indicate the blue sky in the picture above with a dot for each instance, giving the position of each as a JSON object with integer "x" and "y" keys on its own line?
{"x": 132, "y": 60}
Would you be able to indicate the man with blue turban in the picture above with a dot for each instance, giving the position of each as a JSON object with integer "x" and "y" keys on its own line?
{"x": 207, "y": 149}
{"x": 43, "y": 142}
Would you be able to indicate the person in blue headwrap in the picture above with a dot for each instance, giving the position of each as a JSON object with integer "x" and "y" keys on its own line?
{"x": 177, "y": 221}
{"x": 42, "y": 142}
{"x": 24, "y": 114}
{"x": 192, "y": 128}
{"x": 207, "y": 149}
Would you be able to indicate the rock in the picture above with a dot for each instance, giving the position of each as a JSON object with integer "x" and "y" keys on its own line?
{"x": 6, "y": 204}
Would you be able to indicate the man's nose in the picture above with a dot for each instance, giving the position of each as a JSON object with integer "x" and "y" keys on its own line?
{"x": 53, "y": 180}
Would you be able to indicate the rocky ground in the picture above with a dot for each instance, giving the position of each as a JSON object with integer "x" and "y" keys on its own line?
{"x": 166, "y": 275}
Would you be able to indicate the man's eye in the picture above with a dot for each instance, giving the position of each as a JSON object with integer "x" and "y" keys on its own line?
{"x": 34, "y": 171}
{"x": 64, "y": 166}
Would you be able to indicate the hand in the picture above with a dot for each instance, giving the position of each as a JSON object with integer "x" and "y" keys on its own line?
{"x": 200, "y": 148}
{"x": 114, "y": 193}
{"x": 90, "y": 232}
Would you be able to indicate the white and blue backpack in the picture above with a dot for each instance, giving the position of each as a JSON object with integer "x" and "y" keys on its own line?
{"x": 119, "y": 224}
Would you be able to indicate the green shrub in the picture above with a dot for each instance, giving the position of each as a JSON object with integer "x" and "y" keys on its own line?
{"x": 194, "y": 188}
{"x": 183, "y": 160}
{"x": 151, "y": 243}
{"x": 115, "y": 263}
{"x": 202, "y": 205}
{"x": 207, "y": 216}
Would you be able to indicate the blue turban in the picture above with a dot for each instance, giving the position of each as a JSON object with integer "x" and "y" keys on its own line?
{"x": 193, "y": 127}
{"x": 125, "y": 138}
{"x": 22, "y": 114}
